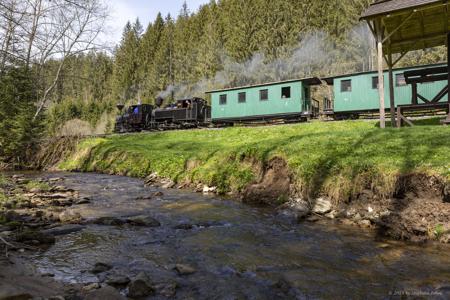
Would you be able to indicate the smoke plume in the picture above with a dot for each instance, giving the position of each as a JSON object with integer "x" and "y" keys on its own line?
{"x": 314, "y": 55}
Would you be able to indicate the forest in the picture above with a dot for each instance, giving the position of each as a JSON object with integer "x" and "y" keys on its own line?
{"x": 66, "y": 82}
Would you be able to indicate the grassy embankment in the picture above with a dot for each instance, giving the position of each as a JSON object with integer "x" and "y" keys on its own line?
{"x": 338, "y": 159}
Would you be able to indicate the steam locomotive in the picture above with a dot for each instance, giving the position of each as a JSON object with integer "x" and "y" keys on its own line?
{"x": 183, "y": 114}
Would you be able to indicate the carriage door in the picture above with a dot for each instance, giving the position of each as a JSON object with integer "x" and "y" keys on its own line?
{"x": 306, "y": 99}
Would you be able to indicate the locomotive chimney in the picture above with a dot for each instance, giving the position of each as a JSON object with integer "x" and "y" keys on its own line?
{"x": 120, "y": 106}
{"x": 159, "y": 101}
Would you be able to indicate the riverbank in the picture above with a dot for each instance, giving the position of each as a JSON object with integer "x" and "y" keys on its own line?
{"x": 396, "y": 181}
{"x": 106, "y": 237}
{"x": 33, "y": 214}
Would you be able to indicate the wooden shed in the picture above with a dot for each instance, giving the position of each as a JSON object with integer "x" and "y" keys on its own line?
{"x": 400, "y": 26}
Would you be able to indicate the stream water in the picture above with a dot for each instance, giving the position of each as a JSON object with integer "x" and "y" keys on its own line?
{"x": 239, "y": 252}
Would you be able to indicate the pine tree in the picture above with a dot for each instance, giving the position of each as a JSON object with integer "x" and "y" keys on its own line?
{"x": 242, "y": 22}
{"x": 163, "y": 67}
{"x": 150, "y": 43}
{"x": 126, "y": 76}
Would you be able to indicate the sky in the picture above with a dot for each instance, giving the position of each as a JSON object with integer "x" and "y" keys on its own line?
{"x": 147, "y": 10}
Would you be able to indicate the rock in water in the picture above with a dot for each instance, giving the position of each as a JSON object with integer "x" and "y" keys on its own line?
{"x": 108, "y": 221}
{"x": 207, "y": 189}
{"x": 83, "y": 201}
{"x": 100, "y": 268}
{"x": 184, "y": 226}
{"x": 322, "y": 206}
{"x": 168, "y": 185}
{"x": 40, "y": 237}
{"x": 151, "y": 178}
{"x": 143, "y": 221}
{"x": 168, "y": 290}
{"x": 70, "y": 216}
{"x": 140, "y": 286}
{"x": 63, "y": 230}
{"x": 117, "y": 280}
{"x": 105, "y": 293}
{"x": 185, "y": 269}
{"x": 14, "y": 293}
{"x": 297, "y": 208}
{"x": 91, "y": 287}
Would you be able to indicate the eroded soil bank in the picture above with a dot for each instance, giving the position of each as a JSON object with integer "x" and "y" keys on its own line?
{"x": 417, "y": 211}
{"x": 91, "y": 236}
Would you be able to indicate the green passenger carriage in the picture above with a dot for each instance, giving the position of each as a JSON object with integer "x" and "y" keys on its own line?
{"x": 358, "y": 93}
{"x": 287, "y": 100}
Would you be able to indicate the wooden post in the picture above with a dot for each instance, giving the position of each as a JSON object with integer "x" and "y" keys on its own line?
{"x": 414, "y": 99}
{"x": 391, "y": 90}
{"x": 380, "y": 76}
{"x": 447, "y": 121}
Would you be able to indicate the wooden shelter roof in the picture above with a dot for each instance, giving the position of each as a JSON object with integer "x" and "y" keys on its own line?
{"x": 410, "y": 24}
{"x": 389, "y": 6}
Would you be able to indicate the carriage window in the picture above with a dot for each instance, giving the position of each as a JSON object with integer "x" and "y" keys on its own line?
{"x": 346, "y": 85}
{"x": 286, "y": 92}
{"x": 241, "y": 97}
{"x": 223, "y": 99}
{"x": 375, "y": 82}
{"x": 400, "y": 80}
{"x": 264, "y": 95}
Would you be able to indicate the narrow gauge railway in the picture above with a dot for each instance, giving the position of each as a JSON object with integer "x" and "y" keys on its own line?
{"x": 420, "y": 90}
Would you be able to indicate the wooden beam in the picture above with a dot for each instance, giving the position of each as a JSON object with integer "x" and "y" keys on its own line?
{"x": 406, "y": 120}
{"x": 425, "y": 100}
{"x": 399, "y": 58}
{"x": 431, "y": 37}
{"x": 399, "y": 26}
{"x": 440, "y": 95}
{"x": 371, "y": 28}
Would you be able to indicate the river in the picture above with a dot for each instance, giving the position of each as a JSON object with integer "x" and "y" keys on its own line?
{"x": 239, "y": 252}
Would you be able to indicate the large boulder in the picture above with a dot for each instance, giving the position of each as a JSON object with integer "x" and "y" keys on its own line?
{"x": 322, "y": 206}
{"x": 140, "y": 286}
{"x": 295, "y": 208}
{"x": 117, "y": 280}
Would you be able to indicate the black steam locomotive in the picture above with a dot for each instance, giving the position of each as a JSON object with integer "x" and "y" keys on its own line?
{"x": 186, "y": 113}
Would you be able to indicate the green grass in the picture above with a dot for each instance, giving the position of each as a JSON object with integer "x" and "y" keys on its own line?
{"x": 336, "y": 158}
{"x": 3, "y": 180}
{"x": 37, "y": 185}
{"x": 3, "y": 183}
